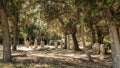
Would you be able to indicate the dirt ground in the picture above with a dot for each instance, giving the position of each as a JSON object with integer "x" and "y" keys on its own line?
{"x": 49, "y": 57}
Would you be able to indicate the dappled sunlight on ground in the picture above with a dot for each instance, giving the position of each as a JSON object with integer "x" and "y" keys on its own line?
{"x": 25, "y": 49}
{"x": 49, "y": 57}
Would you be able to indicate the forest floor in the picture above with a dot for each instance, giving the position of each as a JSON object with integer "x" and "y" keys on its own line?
{"x": 49, "y": 57}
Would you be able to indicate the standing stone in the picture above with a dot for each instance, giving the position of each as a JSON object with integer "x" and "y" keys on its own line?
{"x": 61, "y": 44}
{"x": 35, "y": 44}
{"x": 96, "y": 48}
{"x": 62, "y": 41}
{"x": 42, "y": 44}
{"x": 102, "y": 51}
{"x": 72, "y": 46}
{"x": 68, "y": 42}
{"x": 27, "y": 44}
{"x": 56, "y": 45}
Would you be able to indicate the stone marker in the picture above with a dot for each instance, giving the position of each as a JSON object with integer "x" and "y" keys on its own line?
{"x": 55, "y": 44}
{"x": 61, "y": 44}
{"x": 72, "y": 46}
{"x": 68, "y": 42}
{"x": 102, "y": 51}
{"x": 27, "y": 44}
{"x": 35, "y": 44}
{"x": 96, "y": 48}
{"x": 42, "y": 44}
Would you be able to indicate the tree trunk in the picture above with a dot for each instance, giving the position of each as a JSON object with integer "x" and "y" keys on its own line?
{"x": 15, "y": 38}
{"x": 65, "y": 45}
{"x": 93, "y": 36}
{"x": 76, "y": 46}
{"x": 118, "y": 31}
{"x": 92, "y": 32}
{"x": 5, "y": 33}
{"x": 99, "y": 34}
{"x": 115, "y": 47}
{"x": 83, "y": 40}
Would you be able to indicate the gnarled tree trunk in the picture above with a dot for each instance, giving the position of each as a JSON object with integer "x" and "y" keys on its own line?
{"x": 5, "y": 33}
{"x": 115, "y": 47}
{"x": 118, "y": 31}
{"x": 83, "y": 40}
{"x": 76, "y": 46}
{"x": 99, "y": 35}
{"x": 72, "y": 30}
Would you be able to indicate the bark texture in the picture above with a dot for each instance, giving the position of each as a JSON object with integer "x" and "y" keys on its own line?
{"x": 115, "y": 47}
{"x": 5, "y": 33}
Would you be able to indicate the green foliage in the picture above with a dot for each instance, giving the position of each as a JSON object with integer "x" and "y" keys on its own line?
{"x": 84, "y": 18}
{"x": 34, "y": 16}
